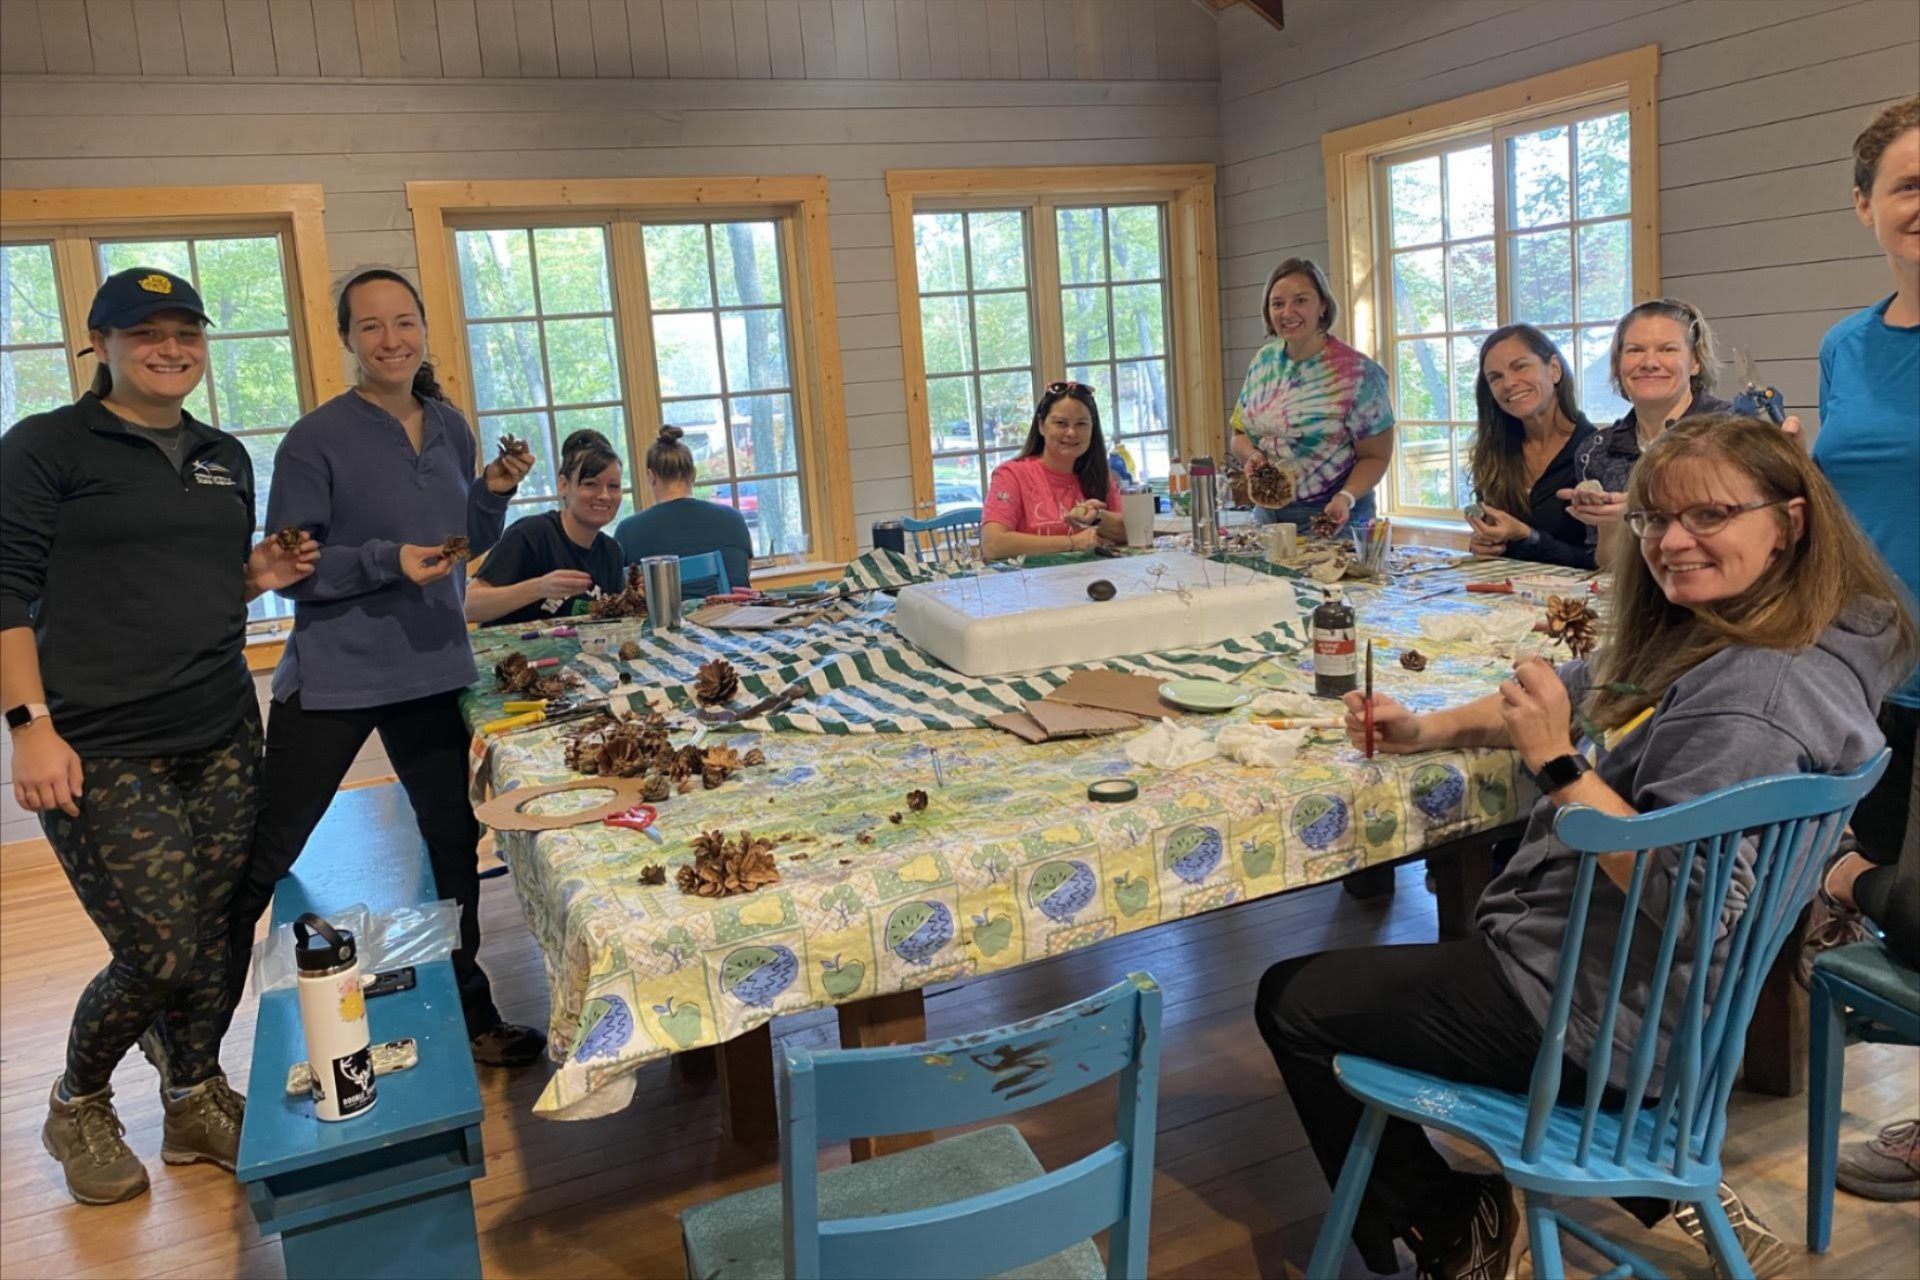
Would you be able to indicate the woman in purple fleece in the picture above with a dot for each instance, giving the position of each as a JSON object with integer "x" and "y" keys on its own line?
{"x": 1756, "y": 631}
{"x": 382, "y": 476}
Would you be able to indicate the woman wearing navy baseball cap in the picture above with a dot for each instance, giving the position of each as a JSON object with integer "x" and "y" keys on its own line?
{"x": 126, "y": 564}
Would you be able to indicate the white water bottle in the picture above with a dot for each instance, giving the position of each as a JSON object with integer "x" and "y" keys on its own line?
{"x": 333, "y": 1015}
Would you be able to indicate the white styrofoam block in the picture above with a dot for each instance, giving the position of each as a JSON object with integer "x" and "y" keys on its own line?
{"x": 994, "y": 623}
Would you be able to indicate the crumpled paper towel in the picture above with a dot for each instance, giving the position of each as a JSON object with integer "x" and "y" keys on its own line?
{"x": 1506, "y": 625}
{"x": 1166, "y": 746}
{"x": 1260, "y": 746}
{"x": 1283, "y": 703}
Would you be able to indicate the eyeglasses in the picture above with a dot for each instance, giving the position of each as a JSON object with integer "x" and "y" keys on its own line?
{"x": 1702, "y": 521}
{"x": 1062, "y": 388}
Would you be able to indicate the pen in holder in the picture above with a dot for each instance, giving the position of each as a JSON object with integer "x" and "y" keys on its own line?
{"x": 1370, "y": 544}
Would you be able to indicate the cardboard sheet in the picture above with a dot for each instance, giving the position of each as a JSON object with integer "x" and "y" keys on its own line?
{"x": 1115, "y": 691}
{"x": 503, "y": 811}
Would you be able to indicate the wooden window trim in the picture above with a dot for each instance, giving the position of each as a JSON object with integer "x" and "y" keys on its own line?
{"x": 1348, "y": 155}
{"x": 68, "y": 215}
{"x": 1193, "y": 281}
{"x": 819, "y": 392}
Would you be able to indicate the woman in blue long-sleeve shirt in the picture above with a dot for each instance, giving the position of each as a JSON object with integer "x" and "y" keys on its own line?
{"x": 381, "y": 476}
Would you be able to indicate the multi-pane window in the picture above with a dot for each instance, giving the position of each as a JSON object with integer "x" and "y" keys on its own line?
{"x": 716, "y": 301}
{"x": 34, "y": 373}
{"x": 1113, "y": 312}
{"x": 252, "y": 387}
{"x": 976, "y": 325}
{"x": 541, "y": 343}
{"x": 1528, "y": 223}
{"x": 700, "y": 342}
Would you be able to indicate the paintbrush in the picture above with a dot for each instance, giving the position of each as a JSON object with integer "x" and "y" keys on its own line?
{"x": 1369, "y": 708}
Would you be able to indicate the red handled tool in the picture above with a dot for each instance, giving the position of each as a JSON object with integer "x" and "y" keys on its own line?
{"x": 639, "y": 818}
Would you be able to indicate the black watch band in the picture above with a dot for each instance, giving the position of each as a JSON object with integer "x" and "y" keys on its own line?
{"x": 1560, "y": 772}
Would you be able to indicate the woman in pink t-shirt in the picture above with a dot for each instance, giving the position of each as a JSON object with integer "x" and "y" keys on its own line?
{"x": 1058, "y": 494}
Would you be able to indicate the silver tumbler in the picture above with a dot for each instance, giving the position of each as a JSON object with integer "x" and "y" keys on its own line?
{"x": 1203, "y": 501}
{"x": 663, "y": 591}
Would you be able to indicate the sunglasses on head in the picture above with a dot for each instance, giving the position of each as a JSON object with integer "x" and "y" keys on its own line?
{"x": 1065, "y": 388}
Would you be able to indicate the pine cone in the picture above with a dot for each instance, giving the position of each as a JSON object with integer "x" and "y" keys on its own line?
{"x": 917, "y": 801}
{"x": 1323, "y": 525}
{"x": 290, "y": 538}
{"x": 716, "y": 684}
{"x": 722, "y": 868}
{"x": 513, "y": 446}
{"x": 457, "y": 547}
{"x": 1573, "y": 622}
{"x": 653, "y": 873}
{"x": 755, "y": 756}
{"x": 629, "y": 603}
{"x": 656, "y": 788}
{"x": 723, "y": 758}
{"x": 1414, "y": 660}
{"x": 629, "y": 651}
{"x": 1270, "y": 487}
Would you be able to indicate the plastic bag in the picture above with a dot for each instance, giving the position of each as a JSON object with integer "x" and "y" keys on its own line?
{"x": 386, "y": 940}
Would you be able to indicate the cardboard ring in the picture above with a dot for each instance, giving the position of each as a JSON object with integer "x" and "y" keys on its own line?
{"x": 503, "y": 811}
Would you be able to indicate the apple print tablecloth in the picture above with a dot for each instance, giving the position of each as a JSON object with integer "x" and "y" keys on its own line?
{"x": 1009, "y": 862}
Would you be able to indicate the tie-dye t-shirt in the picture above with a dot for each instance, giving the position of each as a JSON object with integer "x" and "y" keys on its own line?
{"x": 1314, "y": 411}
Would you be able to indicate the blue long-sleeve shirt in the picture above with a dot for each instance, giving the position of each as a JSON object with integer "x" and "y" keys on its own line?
{"x": 363, "y": 635}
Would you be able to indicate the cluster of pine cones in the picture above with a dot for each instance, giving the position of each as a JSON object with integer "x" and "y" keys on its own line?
{"x": 516, "y": 675}
{"x": 639, "y": 748}
{"x": 722, "y": 868}
{"x": 630, "y": 603}
{"x": 1270, "y": 487}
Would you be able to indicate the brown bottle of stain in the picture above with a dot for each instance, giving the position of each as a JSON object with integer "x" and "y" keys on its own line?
{"x": 1334, "y": 669}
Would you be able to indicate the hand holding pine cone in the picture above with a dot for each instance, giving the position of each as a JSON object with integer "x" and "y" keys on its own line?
{"x": 1573, "y": 622}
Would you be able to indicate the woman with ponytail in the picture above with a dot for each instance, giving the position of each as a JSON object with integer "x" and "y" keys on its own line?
{"x": 382, "y": 476}
{"x": 546, "y": 564}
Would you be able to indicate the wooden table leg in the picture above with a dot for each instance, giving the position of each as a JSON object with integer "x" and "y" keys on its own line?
{"x": 1460, "y": 876}
{"x": 897, "y": 1018}
{"x": 1776, "y": 1061}
{"x": 746, "y": 1084}
{"x": 1368, "y": 882}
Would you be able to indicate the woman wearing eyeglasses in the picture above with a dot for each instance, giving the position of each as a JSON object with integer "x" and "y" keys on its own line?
{"x": 1059, "y": 494}
{"x": 1755, "y": 633}
{"x": 1312, "y": 405}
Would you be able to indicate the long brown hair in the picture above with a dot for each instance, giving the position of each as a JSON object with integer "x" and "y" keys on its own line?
{"x": 1795, "y": 599}
{"x": 1090, "y": 467}
{"x": 1499, "y": 466}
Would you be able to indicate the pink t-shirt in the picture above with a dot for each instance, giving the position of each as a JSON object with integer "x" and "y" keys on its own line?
{"x": 1025, "y": 497}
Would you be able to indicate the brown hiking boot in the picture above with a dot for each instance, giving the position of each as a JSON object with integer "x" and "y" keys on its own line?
{"x": 84, "y": 1135}
{"x": 203, "y": 1125}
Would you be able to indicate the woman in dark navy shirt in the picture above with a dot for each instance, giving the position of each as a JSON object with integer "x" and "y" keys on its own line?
{"x": 1523, "y": 454}
{"x": 545, "y": 565}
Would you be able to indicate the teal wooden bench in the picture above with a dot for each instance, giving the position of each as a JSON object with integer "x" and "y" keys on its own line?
{"x": 388, "y": 1193}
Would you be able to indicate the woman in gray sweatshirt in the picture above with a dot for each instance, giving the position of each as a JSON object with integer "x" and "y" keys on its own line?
{"x": 382, "y": 476}
{"x": 1754, "y": 632}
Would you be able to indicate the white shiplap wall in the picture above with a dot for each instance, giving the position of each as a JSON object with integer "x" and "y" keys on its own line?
{"x": 1759, "y": 104}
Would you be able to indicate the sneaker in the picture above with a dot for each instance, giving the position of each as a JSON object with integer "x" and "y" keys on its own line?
{"x": 1766, "y": 1252}
{"x": 203, "y": 1124}
{"x": 1829, "y": 925}
{"x": 507, "y": 1044}
{"x": 1886, "y": 1167}
{"x": 84, "y": 1134}
{"x": 1487, "y": 1247}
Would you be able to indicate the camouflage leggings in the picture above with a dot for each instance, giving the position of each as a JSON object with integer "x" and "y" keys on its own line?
{"x": 154, "y": 856}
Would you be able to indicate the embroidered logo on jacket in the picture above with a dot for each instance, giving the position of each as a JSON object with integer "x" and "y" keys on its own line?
{"x": 210, "y": 473}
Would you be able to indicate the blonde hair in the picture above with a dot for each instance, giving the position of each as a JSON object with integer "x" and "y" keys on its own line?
{"x": 1699, "y": 337}
{"x": 1829, "y": 567}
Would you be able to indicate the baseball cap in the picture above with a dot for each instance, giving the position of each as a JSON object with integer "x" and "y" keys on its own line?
{"x": 127, "y": 297}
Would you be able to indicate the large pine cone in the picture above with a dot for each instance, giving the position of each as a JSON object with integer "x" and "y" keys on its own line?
{"x": 722, "y": 868}
{"x": 1572, "y": 622}
{"x": 716, "y": 684}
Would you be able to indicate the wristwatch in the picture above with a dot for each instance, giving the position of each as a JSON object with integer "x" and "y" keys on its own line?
{"x": 26, "y": 713}
{"x": 1560, "y": 772}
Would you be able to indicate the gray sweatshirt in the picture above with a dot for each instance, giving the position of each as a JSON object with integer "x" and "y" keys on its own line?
{"x": 1743, "y": 713}
{"x": 363, "y": 635}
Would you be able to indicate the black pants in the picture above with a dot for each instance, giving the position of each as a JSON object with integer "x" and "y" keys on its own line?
{"x": 1887, "y": 825}
{"x": 154, "y": 856}
{"x": 309, "y": 752}
{"x": 1440, "y": 1007}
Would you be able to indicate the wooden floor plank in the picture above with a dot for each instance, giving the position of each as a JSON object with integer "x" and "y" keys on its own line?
{"x": 1236, "y": 1190}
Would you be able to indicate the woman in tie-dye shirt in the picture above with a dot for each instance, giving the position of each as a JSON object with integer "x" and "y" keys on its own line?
{"x": 1313, "y": 404}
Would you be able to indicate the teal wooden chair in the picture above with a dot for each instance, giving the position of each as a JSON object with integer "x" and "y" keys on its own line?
{"x": 707, "y": 571}
{"x": 1656, "y": 1140}
{"x": 954, "y": 535}
{"x": 977, "y": 1204}
{"x": 1860, "y": 991}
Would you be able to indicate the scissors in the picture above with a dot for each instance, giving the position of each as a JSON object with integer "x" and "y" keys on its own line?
{"x": 639, "y": 818}
{"x": 1757, "y": 401}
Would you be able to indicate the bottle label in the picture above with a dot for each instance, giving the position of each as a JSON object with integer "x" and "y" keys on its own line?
{"x": 1333, "y": 649}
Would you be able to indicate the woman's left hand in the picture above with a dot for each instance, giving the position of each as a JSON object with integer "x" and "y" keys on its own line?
{"x": 1537, "y": 713}
{"x": 504, "y": 473}
{"x": 271, "y": 567}
{"x": 1496, "y": 525}
{"x": 1340, "y": 507}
